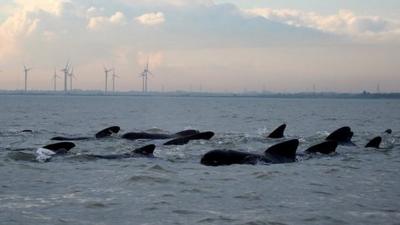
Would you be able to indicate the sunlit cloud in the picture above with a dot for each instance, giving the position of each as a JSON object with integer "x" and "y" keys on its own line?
{"x": 345, "y": 22}
{"x": 151, "y": 19}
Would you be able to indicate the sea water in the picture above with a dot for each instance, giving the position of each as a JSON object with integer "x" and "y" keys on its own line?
{"x": 353, "y": 186}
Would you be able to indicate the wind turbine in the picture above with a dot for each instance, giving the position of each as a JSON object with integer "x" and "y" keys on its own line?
{"x": 113, "y": 79}
{"x": 144, "y": 76}
{"x": 71, "y": 75}
{"x": 106, "y": 71}
{"x": 55, "y": 76}
{"x": 26, "y": 70}
{"x": 66, "y": 72}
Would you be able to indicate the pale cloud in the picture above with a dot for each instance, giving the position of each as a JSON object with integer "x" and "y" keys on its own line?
{"x": 51, "y": 6}
{"x": 151, "y": 19}
{"x": 344, "y": 22}
{"x": 98, "y": 22}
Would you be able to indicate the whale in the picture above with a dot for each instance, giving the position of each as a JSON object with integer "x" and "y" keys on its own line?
{"x": 145, "y": 151}
{"x": 374, "y": 143}
{"x": 326, "y": 147}
{"x": 101, "y": 134}
{"x": 342, "y": 135}
{"x": 45, "y": 153}
{"x": 284, "y": 152}
{"x": 185, "y": 139}
{"x": 154, "y": 136}
{"x": 278, "y": 132}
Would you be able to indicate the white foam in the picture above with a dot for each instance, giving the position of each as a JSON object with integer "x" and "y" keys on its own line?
{"x": 43, "y": 154}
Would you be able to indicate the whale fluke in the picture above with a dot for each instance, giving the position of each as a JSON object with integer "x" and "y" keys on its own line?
{"x": 341, "y": 135}
{"x": 60, "y": 148}
{"x": 388, "y": 131}
{"x": 107, "y": 132}
{"x": 278, "y": 132}
{"x": 145, "y": 150}
{"x": 374, "y": 143}
{"x": 184, "y": 140}
{"x": 283, "y": 152}
{"x": 326, "y": 147}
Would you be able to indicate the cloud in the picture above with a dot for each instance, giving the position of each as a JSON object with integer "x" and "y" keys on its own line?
{"x": 344, "y": 22}
{"x": 99, "y": 22}
{"x": 151, "y": 19}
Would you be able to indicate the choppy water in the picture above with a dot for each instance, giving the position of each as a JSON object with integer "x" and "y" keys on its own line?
{"x": 355, "y": 186}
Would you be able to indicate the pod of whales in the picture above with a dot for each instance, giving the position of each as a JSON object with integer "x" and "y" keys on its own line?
{"x": 101, "y": 134}
{"x": 284, "y": 152}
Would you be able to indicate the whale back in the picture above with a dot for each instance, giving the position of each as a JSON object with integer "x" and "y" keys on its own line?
{"x": 278, "y": 132}
{"x": 282, "y": 152}
{"x": 184, "y": 140}
{"x": 186, "y": 133}
{"x": 144, "y": 135}
{"x": 326, "y": 147}
{"x": 374, "y": 143}
{"x": 228, "y": 157}
{"x": 107, "y": 132}
{"x": 60, "y": 148}
{"x": 343, "y": 134}
{"x": 147, "y": 150}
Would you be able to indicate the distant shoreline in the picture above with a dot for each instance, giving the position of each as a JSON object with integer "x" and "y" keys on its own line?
{"x": 319, "y": 95}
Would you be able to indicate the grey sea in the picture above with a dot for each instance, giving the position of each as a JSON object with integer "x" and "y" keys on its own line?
{"x": 353, "y": 186}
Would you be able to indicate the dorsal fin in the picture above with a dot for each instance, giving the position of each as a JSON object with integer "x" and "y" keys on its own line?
{"x": 326, "y": 147}
{"x": 284, "y": 152}
{"x": 107, "y": 132}
{"x": 278, "y": 132}
{"x": 145, "y": 150}
{"x": 343, "y": 134}
{"x": 374, "y": 143}
{"x": 186, "y": 133}
{"x": 61, "y": 147}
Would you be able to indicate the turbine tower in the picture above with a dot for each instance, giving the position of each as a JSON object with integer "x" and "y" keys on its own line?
{"x": 71, "y": 75}
{"x": 144, "y": 76}
{"x": 113, "y": 79}
{"x": 26, "y": 70}
{"x": 55, "y": 76}
{"x": 66, "y": 72}
{"x": 106, "y": 71}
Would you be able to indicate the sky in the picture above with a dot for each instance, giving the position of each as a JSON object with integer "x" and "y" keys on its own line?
{"x": 203, "y": 45}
